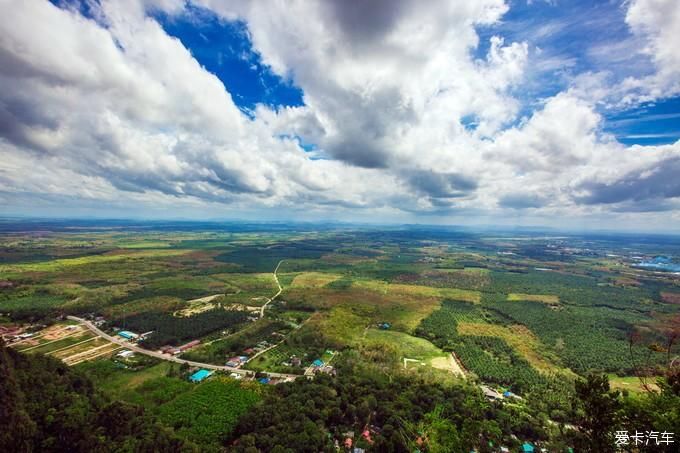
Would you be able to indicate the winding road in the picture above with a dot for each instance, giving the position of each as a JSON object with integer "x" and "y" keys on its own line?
{"x": 269, "y": 300}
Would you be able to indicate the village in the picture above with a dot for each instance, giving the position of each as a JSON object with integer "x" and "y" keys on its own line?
{"x": 75, "y": 340}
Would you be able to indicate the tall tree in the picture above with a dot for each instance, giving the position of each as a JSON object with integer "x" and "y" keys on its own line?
{"x": 599, "y": 414}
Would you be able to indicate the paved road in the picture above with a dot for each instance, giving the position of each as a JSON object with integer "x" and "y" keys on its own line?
{"x": 276, "y": 279}
{"x": 172, "y": 358}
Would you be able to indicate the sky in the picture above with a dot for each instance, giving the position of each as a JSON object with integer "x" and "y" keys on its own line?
{"x": 563, "y": 113}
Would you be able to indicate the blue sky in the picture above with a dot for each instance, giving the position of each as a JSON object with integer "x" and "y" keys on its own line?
{"x": 224, "y": 49}
{"x": 486, "y": 111}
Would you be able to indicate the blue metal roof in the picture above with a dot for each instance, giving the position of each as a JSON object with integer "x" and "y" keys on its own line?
{"x": 128, "y": 335}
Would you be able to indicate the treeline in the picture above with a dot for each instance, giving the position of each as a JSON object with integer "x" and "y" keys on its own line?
{"x": 47, "y": 407}
{"x": 172, "y": 330}
{"x": 400, "y": 412}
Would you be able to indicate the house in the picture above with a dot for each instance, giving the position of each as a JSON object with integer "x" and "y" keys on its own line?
{"x": 384, "y": 325}
{"x": 295, "y": 361}
{"x": 249, "y": 351}
{"x": 234, "y": 362}
{"x": 200, "y": 375}
{"x": 264, "y": 380}
{"x": 7, "y": 331}
{"x": 126, "y": 354}
{"x": 318, "y": 363}
{"x": 327, "y": 369}
{"x": 491, "y": 393}
{"x": 189, "y": 345}
{"x": 527, "y": 448}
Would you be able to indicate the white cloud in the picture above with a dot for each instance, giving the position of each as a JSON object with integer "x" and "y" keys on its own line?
{"x": 657, "y": 22}
{"x": 117, "y": 110}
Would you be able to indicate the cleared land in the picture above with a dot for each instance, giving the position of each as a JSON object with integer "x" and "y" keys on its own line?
{"x": 543, "y": 298}
{"x": 313, "y": 280}
{"x": 199, "y": 305}
{"x": 632, "y": 383}
{"x": 448, "y": 363}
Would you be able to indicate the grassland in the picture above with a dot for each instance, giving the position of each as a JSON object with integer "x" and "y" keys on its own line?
{"x": 406, "y": 345}
{"x": 313, "y": 280}
{"x": 121, "y": 383}
{"x": 633, "y": 384}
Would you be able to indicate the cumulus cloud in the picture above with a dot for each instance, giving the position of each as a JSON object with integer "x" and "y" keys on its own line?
{"x": 653, "y": 182}
{"x": 657, "y": 22}
{"x": 112, "y": 108}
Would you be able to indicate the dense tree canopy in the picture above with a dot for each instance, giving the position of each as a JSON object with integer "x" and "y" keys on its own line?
{"x": 45, "y": 406}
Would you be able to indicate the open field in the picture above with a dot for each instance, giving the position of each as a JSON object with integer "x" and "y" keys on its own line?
{"x": 633, "y": 384}
{"x": 313, "y": 280}
{"x": 54, "y": 345}
{"x": 406, "y": 345}
{"x": 410, "y": 349}
{"x": 196, "y": 306}
{"x": 543, "y": 298}
{"x": 119, "y": 382}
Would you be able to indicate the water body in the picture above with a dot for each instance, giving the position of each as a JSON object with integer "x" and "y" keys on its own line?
{"x": 660, "y": 263}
